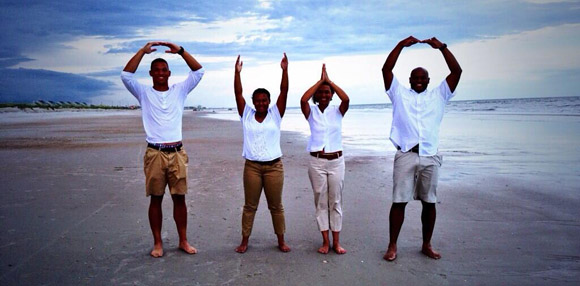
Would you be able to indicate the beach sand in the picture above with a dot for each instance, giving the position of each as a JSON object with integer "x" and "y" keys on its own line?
{"x": 73, "y": 212}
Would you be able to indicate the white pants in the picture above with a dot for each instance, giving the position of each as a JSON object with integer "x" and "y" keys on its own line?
{"x": 327, "y": 179}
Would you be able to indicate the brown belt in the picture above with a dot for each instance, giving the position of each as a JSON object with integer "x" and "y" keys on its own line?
{"x": 327, "y": 156}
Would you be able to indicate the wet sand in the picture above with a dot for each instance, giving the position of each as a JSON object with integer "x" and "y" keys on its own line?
{"x": 73, "y": 212}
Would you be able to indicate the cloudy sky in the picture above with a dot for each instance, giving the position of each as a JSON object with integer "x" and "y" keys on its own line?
{"x": 74, "y": 50}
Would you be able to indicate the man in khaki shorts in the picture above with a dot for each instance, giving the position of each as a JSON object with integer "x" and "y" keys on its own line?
{"x": 417, "y": 115}
{"x": 165, "y": 161}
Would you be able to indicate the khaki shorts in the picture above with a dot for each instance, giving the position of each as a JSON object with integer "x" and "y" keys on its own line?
{"x": 165, "y": 168}
{"x": 415, "y": 177}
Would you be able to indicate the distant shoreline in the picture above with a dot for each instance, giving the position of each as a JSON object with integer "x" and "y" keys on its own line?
{"x": 14, "y": 109}
{"x": 81, "y": 106}
{"x": 42, "y": 109}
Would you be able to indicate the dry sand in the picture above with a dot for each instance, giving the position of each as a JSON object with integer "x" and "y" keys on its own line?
{"x": 73, "y": 212}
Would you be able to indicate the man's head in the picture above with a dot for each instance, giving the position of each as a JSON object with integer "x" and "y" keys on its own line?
{"x": 159, "y": 72}
{"x": 261, "y": 100}
{"x": 323, "y": 94}
{"x": 419, "y": 79}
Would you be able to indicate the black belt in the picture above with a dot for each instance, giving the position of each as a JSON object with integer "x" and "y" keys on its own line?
{"x": 415, "y": 149}
{"x": 266, "y": 162}
{"x": 166, "y": 148}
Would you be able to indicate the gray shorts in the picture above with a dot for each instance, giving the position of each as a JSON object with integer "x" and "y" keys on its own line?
{"x": 415, "y": 177}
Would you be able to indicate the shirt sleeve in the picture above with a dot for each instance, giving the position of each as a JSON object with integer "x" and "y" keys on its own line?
{"x": 337, "y": 111}
{"x": 312, "y": 106}
{"x": 245, "y": 113}
{"x": 276, "y": 114}
{"x": 193, "y": 78}
{"x": 132, "y": 85}
{"x": 392, "y": 92}
{"x": 445, "y": 91}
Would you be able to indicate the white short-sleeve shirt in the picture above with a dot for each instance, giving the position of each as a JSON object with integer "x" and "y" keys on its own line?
{"x": 325, "y": 129}
{"x": 162, "y": 111}
{"x": 417, "y": 116}
{"x": 261, "y": 139}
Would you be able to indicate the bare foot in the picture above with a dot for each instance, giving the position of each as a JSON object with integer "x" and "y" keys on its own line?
{"x": 242, "y": 248}
{"x": 185, "y": 246}
{"x": 391, "y": 254}
{"x": 338, "y": 249}
{"x": 324, "y": 249}
{"x": 157, "y": 251}
{"x": 429, "y": 252}
{"x": 243, "y": 245}
{"x": 283, "y": 247}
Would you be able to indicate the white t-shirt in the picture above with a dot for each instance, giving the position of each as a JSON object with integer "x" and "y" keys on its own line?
{"x": 162, "y": 111}
{"x": 261, "y": 140}
{"x": 325, "y": 129}
{"x": 417, "y": 116}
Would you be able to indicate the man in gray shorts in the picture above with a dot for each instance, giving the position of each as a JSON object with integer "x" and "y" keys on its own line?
{"x": 165, "y": 161}
{"x": 417, "y": 114}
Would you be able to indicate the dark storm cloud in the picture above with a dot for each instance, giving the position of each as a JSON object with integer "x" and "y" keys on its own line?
{"x": 25, "y": 85}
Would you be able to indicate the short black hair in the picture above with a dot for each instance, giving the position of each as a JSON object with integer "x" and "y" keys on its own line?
{"x": 261, "y": 90}
{"x": 158, "y": 60}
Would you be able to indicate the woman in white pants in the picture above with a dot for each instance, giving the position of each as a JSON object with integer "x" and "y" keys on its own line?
{"x": 326, "y": 164}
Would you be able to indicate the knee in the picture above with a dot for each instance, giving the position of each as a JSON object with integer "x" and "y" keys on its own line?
{"x": 276, "y": 209}
{"x": 398, "y": 206}
{"x": 398, "y": 209}
{"x": 156, "y": 200}
{"x": 427, "y": 205}
{"x": 250, "y": 208}
{"x": 178, "y": 199}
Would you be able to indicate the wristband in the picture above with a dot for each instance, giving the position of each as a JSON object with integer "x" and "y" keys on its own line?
{"x": 443, "y": 47}
{"x": 181, "y": 50}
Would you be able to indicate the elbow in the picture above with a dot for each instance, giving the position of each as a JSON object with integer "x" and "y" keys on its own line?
{"x": 387, "y": 69}
{"x": 458, "y": 70}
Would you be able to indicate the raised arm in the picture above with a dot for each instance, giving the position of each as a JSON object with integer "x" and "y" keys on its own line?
{"x": 282, "y": 98}
{"x": 187, "y": 57}
{"x": 240, "y": 101}
{"x": 134, "y": 62}
{"x": 304, "y": 106}
{"x": 344, "y": 100}
{"x": 392, "y": 59}
{"x": 453, "y": 77}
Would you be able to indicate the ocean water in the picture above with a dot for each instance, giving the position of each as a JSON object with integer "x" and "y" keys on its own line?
{"x": 535, "y": 140}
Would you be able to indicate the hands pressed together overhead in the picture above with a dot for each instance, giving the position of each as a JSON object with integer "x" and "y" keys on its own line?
{"x": 324, "y": 75}
{"x": 433, "y": 42}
